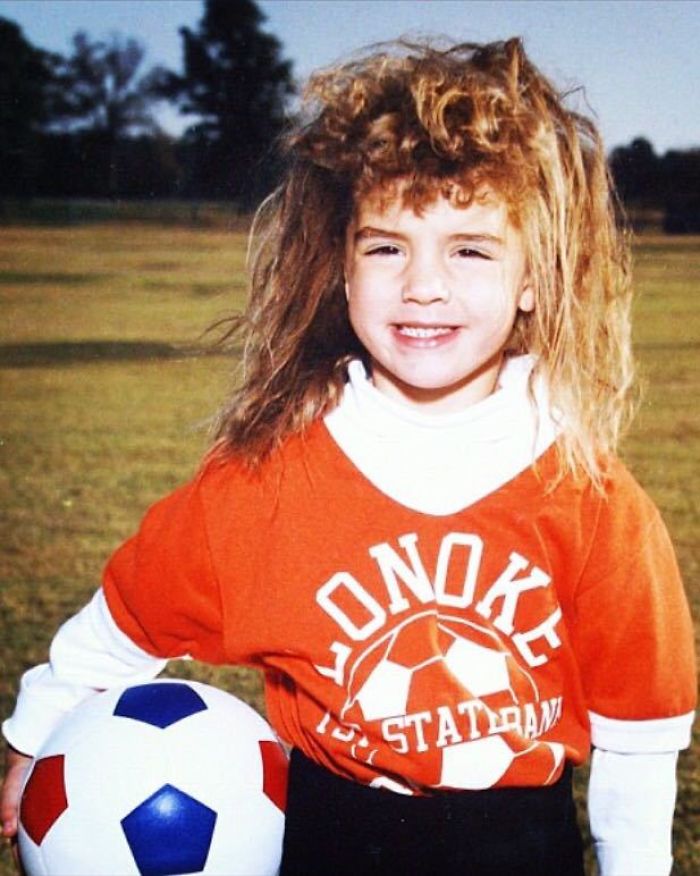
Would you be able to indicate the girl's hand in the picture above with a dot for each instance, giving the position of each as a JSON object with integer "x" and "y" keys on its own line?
{"x": 16, "y": 766}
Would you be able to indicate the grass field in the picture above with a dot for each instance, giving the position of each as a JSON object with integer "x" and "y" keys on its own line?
{"x": 102, "y": 412}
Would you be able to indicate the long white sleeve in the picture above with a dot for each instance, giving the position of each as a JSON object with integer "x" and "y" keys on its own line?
{"x": 88, "y": 653}
{"x": 631, "y": 798}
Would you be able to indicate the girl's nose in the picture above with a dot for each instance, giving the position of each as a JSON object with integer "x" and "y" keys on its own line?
{"x": 424, "y": 285}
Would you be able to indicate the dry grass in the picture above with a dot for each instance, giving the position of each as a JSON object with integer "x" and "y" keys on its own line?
{"x": 99, "y": 418}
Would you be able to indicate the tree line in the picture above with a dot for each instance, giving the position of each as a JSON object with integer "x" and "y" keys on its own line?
{"x": 82, "y": 125}
{"x": 668, "y": 184}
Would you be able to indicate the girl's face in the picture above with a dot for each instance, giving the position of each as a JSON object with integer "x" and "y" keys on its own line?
{"x": 433, "y": 297}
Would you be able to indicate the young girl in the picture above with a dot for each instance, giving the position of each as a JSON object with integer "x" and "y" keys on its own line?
{"x": 413, "y": 520}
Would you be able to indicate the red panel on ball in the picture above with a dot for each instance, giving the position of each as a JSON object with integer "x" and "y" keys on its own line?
{"x": 44, "y": 799}
{"x": 275, "y": 768}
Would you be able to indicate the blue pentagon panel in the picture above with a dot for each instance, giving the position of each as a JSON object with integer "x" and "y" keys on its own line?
{"x": 159, "y": 704}
{"x": 169, "y": 833}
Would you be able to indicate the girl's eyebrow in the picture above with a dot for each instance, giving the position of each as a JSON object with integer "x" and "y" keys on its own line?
{"x": 493, "y": 239}
{"x": 369, "y": 231}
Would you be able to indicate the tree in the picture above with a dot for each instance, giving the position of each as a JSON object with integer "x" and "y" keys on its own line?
{"x": 25, "y": 80}
{"x": 668, "y": 183}
{"x": 681, "y": 172}
{"x": 100, "y": 99}
{"x": 98, "y": 88}
{"x": 237, "y": 84}
{"x": 637, "y": 172}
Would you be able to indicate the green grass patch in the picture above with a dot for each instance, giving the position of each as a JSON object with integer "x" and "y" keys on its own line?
{"x": 105, "y": 408}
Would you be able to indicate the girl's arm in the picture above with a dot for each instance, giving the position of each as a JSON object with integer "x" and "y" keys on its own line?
{"x": 16, "y": 765}
{"x": 165, "y": 602}
{"x": 89, "y": 653}
{"x": 631, "y": 798}
{"x": 633, "y": 638}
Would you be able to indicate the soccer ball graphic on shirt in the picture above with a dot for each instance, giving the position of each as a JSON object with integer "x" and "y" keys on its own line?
{"x": 405, "y": 672}
{"x": 157, "y": 779}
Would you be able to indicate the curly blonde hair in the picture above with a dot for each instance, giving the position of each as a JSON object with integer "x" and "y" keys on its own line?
{"x": 431, "y": 119}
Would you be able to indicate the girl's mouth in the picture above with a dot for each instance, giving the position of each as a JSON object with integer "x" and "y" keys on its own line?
{"x": 424, "y": 332}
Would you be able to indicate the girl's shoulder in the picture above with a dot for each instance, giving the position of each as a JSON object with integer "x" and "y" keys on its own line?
{"x": 626, "y": 522}
{"x": 621, "y": 490}
{"x": 225, "y": 472}
{"x": 608, "y": 517}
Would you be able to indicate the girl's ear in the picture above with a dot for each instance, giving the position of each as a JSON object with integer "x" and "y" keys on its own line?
{"x": 526, "y": 302}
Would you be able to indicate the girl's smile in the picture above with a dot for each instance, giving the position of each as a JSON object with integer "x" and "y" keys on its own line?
{"x": 433, "y": 296}
{"x": 424, "y": 335}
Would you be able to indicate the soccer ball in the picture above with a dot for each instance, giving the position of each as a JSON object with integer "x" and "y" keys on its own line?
{"x": 164, "y": 778}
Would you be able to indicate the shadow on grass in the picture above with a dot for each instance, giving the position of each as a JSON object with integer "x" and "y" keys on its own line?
{"x": 76, "y": 352}
{"x": 62, "y": 213}
{"x": 22, "y": 278}
{"x": 54, "y": 353}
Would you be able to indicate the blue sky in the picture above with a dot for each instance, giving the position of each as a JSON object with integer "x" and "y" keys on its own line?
{"x": 639, "y": 60}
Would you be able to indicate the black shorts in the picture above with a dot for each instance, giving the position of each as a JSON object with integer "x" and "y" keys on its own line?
{"x": 335, "y": 827}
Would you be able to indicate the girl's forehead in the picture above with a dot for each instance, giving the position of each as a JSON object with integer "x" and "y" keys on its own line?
{"x": 397, "y": 198}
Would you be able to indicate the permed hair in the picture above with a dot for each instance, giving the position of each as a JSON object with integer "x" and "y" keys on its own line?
{"x": 426, "y": 119}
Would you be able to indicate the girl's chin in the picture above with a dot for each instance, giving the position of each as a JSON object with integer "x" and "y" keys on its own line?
{"x": 437, "y": 396}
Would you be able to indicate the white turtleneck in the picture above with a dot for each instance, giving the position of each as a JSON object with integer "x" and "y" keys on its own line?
{"x": 487, "y": 444}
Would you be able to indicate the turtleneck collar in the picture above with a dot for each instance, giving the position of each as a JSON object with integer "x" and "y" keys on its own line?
{"x": 441, "y": 463}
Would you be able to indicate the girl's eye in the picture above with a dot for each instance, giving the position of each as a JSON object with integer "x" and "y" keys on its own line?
{"x": 467, "y": 252}
{"x": 384, "y": 249}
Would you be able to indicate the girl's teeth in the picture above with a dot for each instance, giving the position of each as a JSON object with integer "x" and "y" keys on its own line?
{"x": 418, "y": 332}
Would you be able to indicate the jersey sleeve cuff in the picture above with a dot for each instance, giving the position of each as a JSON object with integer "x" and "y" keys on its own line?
{"x": 40, "y": 708}
{"x": 641, "y": 737}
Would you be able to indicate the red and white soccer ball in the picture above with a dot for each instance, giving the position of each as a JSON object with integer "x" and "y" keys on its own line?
{"x": 164, "y": 778}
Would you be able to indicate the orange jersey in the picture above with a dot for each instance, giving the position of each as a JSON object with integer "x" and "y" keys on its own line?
{"x": 409, "y": 650}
